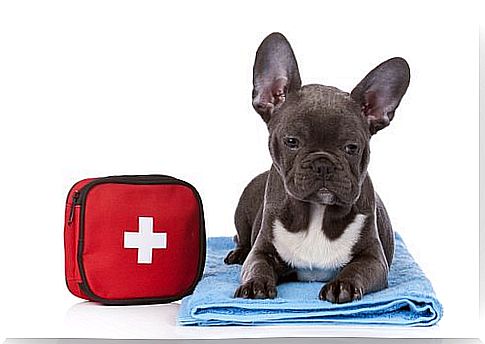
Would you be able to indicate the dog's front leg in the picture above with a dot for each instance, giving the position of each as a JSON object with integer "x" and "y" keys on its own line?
{"x": 366, "y": 273}
{"x": 260, "y": 273}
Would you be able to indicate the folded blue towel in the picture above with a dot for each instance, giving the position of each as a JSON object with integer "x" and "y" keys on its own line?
{"x": 409, "y": 300}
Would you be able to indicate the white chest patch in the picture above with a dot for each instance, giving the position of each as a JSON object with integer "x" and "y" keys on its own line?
{"x": 312, "y": 250}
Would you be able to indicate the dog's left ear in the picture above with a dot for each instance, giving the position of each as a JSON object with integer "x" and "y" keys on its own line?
{"x": 381, "y": 91}
{"x": 275, "y": 75}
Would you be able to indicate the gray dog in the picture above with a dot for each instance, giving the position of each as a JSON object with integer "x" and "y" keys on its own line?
{"x": 314, "y": 216}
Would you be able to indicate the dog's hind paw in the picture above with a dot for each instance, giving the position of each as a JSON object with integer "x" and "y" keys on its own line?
{"x": 236, "y": 256}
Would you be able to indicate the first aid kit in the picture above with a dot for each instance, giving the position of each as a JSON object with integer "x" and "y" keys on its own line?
{"x": 137, "y": 239}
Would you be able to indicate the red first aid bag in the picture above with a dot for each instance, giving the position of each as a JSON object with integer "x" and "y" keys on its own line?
{"x": 133, "y": 239}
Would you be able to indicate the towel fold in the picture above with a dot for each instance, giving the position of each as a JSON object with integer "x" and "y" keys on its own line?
{"x": 409, "y": 299}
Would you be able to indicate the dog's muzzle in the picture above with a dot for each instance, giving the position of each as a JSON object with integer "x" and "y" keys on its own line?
{"x": 323, "y": 165}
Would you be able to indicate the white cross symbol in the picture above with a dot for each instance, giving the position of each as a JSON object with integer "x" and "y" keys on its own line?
{"x": 145, "y": 240}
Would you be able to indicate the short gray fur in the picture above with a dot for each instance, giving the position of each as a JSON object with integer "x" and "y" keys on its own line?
{"x": 319, "y": 143}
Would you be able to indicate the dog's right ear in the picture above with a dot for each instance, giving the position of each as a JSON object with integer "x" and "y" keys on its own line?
{"x": 275, "y": 74}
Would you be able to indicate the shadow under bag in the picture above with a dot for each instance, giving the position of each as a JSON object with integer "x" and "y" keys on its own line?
{"x": 136, "y": 239}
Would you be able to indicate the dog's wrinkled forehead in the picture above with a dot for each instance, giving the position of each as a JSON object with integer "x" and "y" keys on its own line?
{"x": 321, "y": 98}
{"x": 318, "y": 106}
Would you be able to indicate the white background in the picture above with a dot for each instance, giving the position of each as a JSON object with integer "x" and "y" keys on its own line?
{"x": 97, "y": 88}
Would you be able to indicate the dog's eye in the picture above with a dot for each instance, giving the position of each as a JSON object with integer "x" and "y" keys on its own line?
{"x": 291, "y": 142}
{"x": 351, "y": 148}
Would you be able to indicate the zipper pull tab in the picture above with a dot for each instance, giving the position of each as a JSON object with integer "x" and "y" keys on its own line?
{"x": 75, "y": 197}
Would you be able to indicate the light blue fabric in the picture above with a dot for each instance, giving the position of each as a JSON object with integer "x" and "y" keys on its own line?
{"x": 409, "y": 300}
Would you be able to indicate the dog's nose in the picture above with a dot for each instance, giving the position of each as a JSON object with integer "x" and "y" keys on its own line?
{"x": 323, "y": 167}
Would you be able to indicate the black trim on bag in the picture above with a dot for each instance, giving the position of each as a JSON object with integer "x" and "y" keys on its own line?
{"x": 153, "y": 179}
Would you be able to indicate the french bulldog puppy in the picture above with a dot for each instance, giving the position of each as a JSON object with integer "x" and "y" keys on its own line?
{"x": 314, "y": 215}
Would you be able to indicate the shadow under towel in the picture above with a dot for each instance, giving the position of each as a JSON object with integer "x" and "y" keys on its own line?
{"x": 409, "y": 299}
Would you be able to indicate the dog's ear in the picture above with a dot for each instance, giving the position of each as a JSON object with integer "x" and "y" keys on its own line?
{"x": 381, "y": 91}
{"x": 275, "y": 74}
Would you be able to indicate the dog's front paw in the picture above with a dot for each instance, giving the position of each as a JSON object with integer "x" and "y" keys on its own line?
{"x": 341, "y": 291}
{"x": 256, "y": 289}
{"x": 236, "y": 256}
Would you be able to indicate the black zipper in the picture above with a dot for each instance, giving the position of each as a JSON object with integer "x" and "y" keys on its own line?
{"x": 129, "y": 179}
{"x": 143, "y": 180}
{"x": 75, "y": 198}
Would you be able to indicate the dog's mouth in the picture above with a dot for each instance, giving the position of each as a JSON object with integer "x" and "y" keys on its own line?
{"x": 315, "y": 191}
{"x": 323, "y": 196}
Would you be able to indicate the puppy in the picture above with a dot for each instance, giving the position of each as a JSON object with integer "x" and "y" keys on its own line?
{"x": 314, "y": 215}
